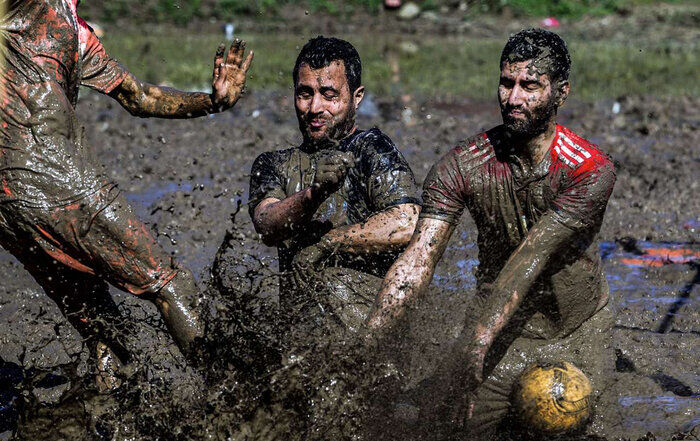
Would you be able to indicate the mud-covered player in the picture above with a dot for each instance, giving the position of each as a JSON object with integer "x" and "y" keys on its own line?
{"x": 341, "y": 205}
{"x": 60, "y": 214}
{"x": 537, "y": 192}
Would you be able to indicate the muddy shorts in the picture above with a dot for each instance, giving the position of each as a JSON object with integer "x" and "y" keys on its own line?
{"x": 100, "y": 234}
{"x": 334, "y": 303}
{"x": 588, "y": 348}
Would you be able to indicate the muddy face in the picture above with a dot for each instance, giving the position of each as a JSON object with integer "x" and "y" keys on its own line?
{"x": 324, "y": 104}
{"x": 528, "y": 98}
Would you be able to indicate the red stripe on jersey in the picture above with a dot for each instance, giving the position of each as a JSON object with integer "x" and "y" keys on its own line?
{"x": 575, "y": 152}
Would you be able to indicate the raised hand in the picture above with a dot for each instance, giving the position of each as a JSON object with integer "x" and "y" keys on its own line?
{"x": 229, "y": 75}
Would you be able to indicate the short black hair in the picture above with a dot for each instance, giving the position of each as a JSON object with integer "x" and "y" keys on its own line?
{"x": 535, "y": 43}
{"x": 321, "y": 52}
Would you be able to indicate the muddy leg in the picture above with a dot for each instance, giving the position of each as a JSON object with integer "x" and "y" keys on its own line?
{"x": 123, "y": 251}
{"x": 177, "y": 302}
{"x": 83, "y": 299}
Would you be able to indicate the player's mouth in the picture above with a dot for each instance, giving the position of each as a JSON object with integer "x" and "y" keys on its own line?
{"x": 316, "y": 124}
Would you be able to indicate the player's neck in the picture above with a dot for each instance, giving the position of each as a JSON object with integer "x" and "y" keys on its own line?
{"x": 534, "y": 150}
{"x": 311, "y": 146}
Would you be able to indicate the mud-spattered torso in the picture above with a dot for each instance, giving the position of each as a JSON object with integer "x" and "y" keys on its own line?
{"x": 49, "y": 52}
{"x": 506, "y": 198}
{"x": 380, "y": 178}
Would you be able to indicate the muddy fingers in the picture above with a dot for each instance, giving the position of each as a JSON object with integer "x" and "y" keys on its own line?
{"x": 219, "y": 60}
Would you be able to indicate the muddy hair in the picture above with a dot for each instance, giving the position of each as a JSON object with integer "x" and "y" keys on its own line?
{"x": 539, "y": 44}
{"x": 321, "y": 52}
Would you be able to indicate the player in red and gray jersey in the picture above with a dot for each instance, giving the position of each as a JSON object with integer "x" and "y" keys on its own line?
{"x": 484, "y": 175}
{"x": 60, "y": 215}
{"x": 537, "y": 193}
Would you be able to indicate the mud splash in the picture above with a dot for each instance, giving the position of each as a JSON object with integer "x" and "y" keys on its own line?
{"x": 258, "y": 388}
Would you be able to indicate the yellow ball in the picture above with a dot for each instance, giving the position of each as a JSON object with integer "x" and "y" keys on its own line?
{"x": 553, "y": 398}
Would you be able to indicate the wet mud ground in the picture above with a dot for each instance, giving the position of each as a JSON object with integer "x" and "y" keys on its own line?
{"x": 186, "y": 178}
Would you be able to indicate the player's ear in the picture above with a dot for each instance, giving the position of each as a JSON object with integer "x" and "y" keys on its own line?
{"x": 358, "y": 95}
{"x": 563, "y": 88}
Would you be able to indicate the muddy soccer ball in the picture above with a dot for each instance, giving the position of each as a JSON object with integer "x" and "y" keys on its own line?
{"x": 553, "y": 398}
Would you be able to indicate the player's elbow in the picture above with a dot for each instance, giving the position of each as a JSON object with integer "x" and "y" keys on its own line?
{"x": 132, "y": 96}
{"x": 138, "y": 105}
{"x": 269, "y": 236}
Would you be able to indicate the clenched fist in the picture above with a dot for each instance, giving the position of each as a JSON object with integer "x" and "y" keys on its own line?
{"x": 331, "y": 170}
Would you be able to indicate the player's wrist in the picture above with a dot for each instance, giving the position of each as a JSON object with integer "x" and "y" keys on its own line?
{"x": 316, "y": 194}
{"x": 216, "y": 105}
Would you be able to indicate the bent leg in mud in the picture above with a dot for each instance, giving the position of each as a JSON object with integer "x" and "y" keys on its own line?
{"x": 127, "y": 255}
{"x": 101, "y": 237}
{"x": 83, "y": 298}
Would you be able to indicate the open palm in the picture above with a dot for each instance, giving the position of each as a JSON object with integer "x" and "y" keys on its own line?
{"x": 229, "y": 74}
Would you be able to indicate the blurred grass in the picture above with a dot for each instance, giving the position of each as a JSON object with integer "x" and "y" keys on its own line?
{"x": 183, "y": 12}
{"x": 436, "y": 66}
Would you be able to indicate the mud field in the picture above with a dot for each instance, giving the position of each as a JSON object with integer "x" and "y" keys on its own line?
{"x": 187, "y": 178}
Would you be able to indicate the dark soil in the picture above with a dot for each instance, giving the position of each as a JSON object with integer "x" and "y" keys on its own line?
{"x": 187, "y": 178}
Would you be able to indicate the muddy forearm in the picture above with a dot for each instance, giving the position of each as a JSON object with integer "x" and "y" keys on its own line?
{"x": 544, "y": 241}
{"x": 388, "y": 231}
{"x": 412, "y": 272}
{"x": 277, "y": 220}
{"x": 146, "y": 100}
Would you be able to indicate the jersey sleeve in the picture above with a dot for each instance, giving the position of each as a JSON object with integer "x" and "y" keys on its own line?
{"x": 265, "y": 181}
{"x": 390, "y": 181}
{"x": 444, "y": 190}
{"x": 581, "y": 204}
{"x": 99, "y": 71}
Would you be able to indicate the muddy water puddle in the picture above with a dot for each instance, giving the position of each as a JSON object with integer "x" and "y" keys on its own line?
{"x": 661, "y": 410}
{"x": 144, "y": 202}
{"x": 654, "y": 291}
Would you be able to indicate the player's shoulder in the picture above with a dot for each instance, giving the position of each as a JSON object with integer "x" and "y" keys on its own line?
{"x": 475, "y": 150}
{"x": 273, "y": 157}
{"x": 577, "y": 153}
{"x": 372, "y": 140}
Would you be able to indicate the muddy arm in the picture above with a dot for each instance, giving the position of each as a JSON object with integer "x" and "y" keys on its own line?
{"x": 276, "y": 220}
{"x": 412, "y": 272}
{"x": 548, "y": 239}
{"x": 147, "y": 100}
{"x": 389, "y": 230}
{"x": 563, "y": 232}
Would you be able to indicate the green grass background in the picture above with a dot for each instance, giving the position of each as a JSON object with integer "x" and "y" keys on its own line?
{"x": 467, "y": 66}
{"x": 184, "y": 11}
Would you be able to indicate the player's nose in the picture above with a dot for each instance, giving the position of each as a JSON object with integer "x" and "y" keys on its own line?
{"x": 316, "y": 104}
{"x": 516, "y": 96}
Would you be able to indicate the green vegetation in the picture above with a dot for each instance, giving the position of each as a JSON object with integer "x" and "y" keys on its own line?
{"x": 184, "y": 11}
{"x": 439, "y": 67}
{"x": 562, "y": 8}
